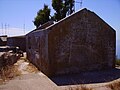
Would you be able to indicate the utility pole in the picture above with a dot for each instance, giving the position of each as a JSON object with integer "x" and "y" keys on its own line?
{"x": 24, "y": 27}
{"x": 2, "y": 28}
{"x": 81, "y": 3}
{"x": 8, "y": 28}
{"x": 5, "y": 28}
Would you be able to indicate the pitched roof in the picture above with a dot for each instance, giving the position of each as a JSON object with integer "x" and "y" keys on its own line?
{"x": 38, "y": 29}
{"x": 84, "y": 9}
{"x": 81, "y": 10}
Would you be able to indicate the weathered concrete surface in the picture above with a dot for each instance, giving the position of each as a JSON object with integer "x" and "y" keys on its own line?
{"x": 80, "y": 42}
{"x": 37, "y": 52}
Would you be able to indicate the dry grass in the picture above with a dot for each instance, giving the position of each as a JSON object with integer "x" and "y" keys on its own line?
{"x": 25, "y": 59}
{"x": 31, "y": 68}
{"x": 114, "y": 85}
{"x": 8, "y": 72}
{"x": 82, "y": 87}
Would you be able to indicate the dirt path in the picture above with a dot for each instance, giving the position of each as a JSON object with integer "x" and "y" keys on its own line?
{"x": 29, "y": 79}
{"x": 25, "y": 67}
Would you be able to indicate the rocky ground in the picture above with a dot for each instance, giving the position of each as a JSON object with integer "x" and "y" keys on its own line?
{"x": 25, "y": 76}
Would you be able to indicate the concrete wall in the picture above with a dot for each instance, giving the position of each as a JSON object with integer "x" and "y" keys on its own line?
{"x": 81, "y": 42}
{"x": 37, "y": 49}
{"x": 18, "y": 41}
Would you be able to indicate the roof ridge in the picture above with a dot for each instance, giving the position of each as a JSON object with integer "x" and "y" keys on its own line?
{"x": 66, "y": 17}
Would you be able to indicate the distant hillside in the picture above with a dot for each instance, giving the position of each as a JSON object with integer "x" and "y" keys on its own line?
{"x": 118, "y": 48}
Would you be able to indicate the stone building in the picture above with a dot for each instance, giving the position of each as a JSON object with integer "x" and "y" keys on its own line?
{"x": 17, "y": 41}
{"x": 79, "y": 42}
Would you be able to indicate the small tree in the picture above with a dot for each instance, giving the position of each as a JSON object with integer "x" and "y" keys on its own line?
{"x": 57, "y": 6}
{"x": 71, "y": 6}
{"x": 43, "y": 16}
{"x": 62, "y": 8}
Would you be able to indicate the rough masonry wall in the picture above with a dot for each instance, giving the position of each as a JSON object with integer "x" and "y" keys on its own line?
{"x": 37, "y": 50}
{"x": 82, "y": 42}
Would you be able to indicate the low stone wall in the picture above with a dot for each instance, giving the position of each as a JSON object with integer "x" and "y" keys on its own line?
{"x": 18, "y": 41}
{"x": 8, "y": 58}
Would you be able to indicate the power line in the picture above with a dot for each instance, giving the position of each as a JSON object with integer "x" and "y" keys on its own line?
{"x": 4, "y": 28}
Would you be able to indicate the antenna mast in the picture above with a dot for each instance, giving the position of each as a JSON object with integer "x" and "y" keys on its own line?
{"x": 79, "y": 2}
{"x": 2, "y": 27}
{"x": 5, "y": 28}
{"x": 24, "y": 27}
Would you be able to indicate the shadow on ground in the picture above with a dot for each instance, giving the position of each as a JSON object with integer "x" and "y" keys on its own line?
{"x": 87, "y": 77}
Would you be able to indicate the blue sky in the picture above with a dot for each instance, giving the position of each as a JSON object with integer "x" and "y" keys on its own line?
{"x": 16, "y": 13}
